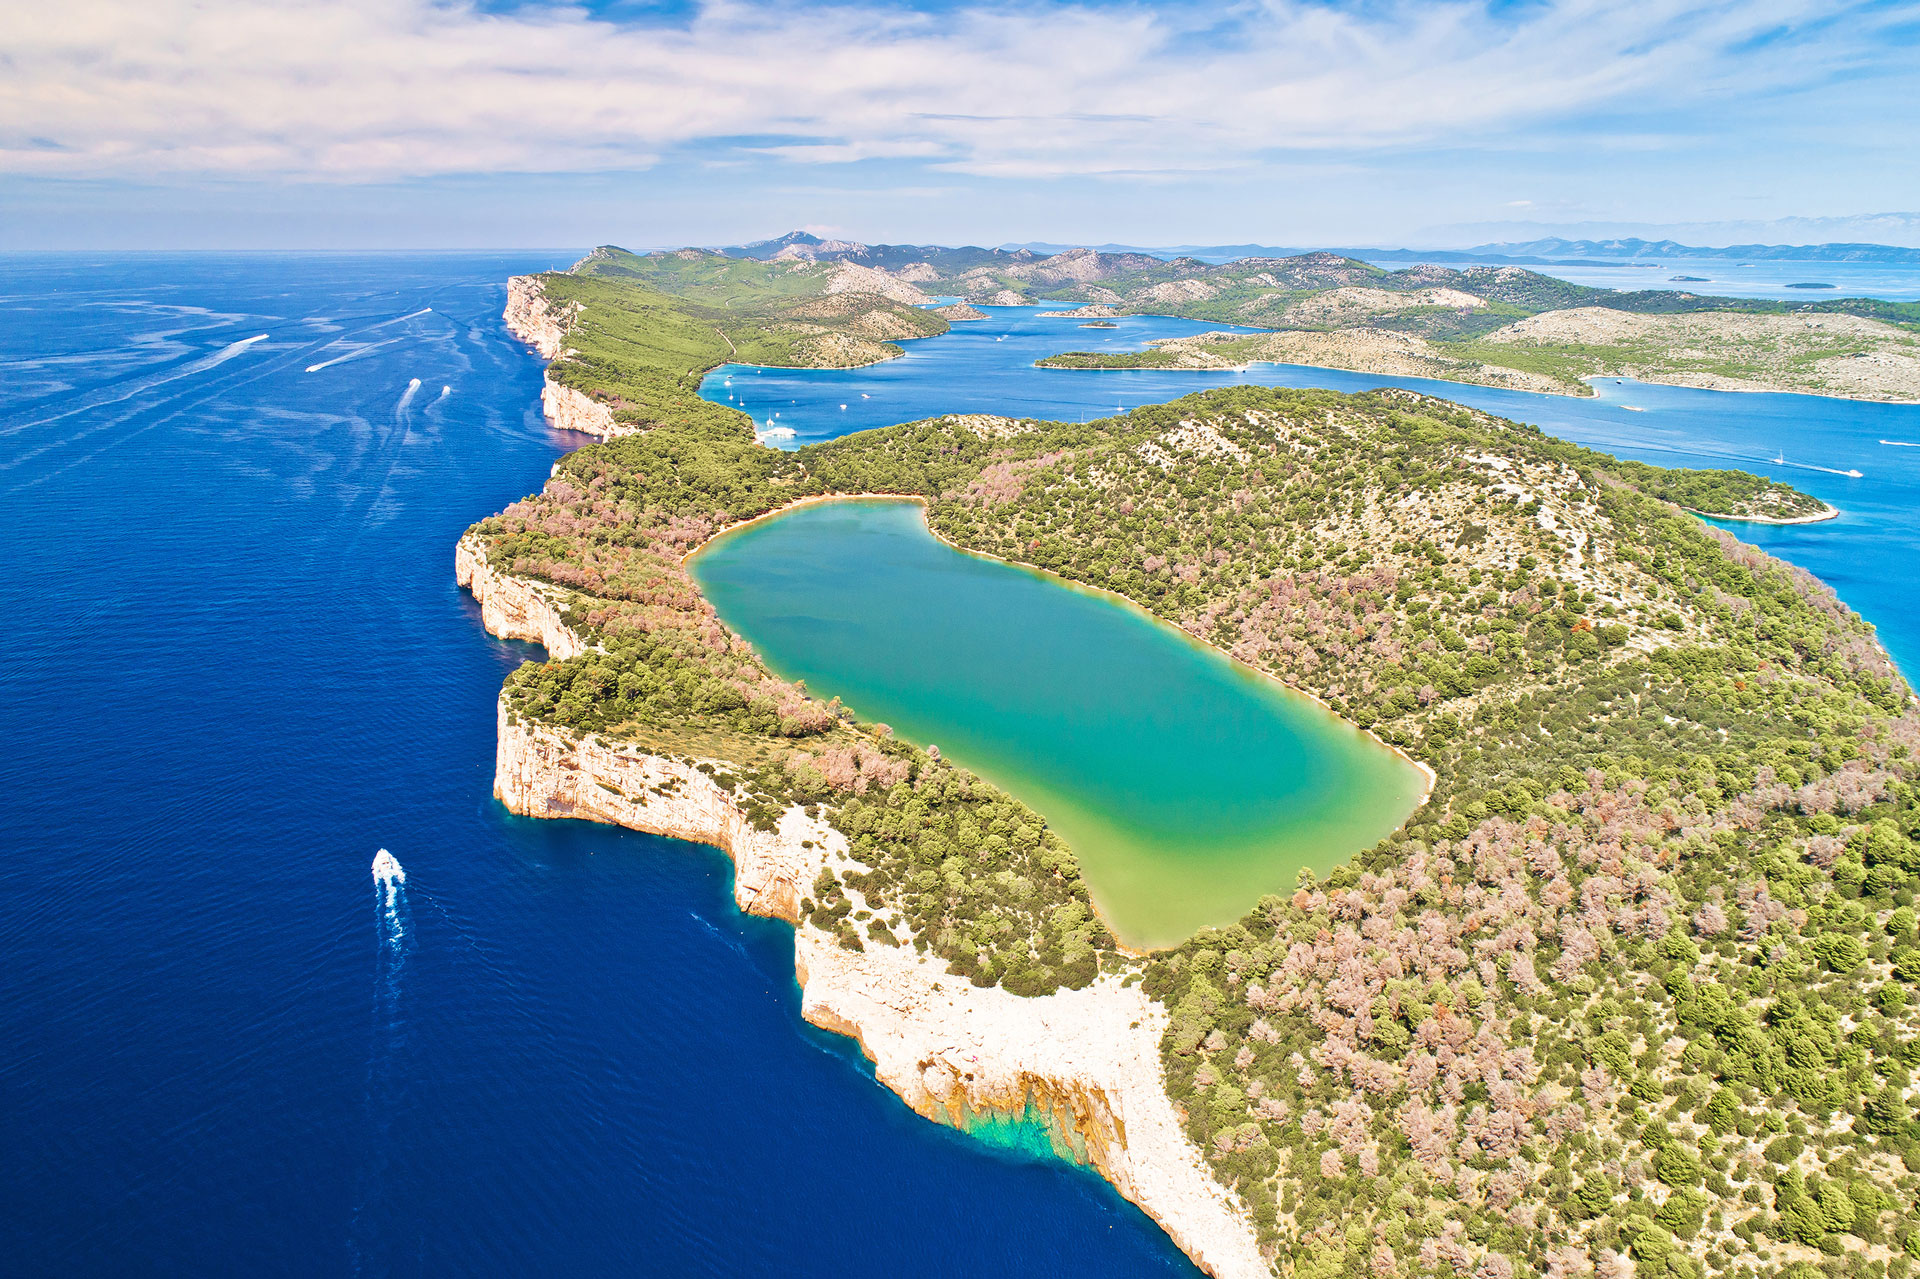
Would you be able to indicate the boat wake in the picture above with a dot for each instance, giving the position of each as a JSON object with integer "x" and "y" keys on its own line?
{"x": 354, "y": 354}
{"x": 1901, "y": 444}
{"x": 425, "y": 310}
{"x": 406, "y": 398}
{"x": 396, "y": 930}
{"x": 394, "y": 923}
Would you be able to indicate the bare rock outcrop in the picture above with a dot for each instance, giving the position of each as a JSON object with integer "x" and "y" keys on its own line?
{"x": 532, "y": 317}
{"x": 851, "y": 277}
{"x": 515, "y": 608}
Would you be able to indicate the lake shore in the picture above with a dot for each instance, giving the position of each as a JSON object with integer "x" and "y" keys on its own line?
{"x": 1429, "y": 778}
{"x": 1085, "y": 1064}
{"x": 1090, "y": 1058}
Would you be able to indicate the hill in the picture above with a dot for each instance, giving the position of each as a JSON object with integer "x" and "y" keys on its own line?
{"x": 1637, "y": 982}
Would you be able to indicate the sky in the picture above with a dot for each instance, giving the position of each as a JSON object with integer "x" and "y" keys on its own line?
{"x": 338, "y": 124}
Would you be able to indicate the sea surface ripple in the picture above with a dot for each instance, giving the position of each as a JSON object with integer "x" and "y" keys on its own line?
{"x": 238, "y": 665}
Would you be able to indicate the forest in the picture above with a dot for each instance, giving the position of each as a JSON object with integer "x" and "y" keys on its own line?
{"x": 1632, "y": 994}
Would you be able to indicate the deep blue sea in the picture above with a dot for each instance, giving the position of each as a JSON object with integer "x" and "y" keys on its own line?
{"x": 1868, "y": 554}
{"x": 236, "y": 665}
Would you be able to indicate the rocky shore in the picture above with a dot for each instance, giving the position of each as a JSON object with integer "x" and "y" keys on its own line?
{"x": 1085, "y": 1064}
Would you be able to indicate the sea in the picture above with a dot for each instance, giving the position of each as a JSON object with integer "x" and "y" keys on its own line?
{"x": 1863, "y": 458}
{"x": 238, "y": 666}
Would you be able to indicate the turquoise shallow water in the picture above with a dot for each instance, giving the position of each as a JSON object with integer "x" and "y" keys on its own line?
{"x": 1187, "y": 785}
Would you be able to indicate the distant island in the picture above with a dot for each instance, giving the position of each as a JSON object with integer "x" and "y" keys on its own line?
{"x": 1499, "y": 326}
{"x": 1630, "y": 994}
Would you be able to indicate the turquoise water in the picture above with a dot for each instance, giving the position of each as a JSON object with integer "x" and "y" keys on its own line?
{"x": 1187, "y": 785}
{"x": 1867, "y": 554}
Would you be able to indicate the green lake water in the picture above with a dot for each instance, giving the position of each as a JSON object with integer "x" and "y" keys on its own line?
{"x": 1187, "y": 785}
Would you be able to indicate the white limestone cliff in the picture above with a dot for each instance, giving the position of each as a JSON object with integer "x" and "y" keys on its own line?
{"x": 570, "y": 410}
{"x": 532, "y": 318}
{"x": 1085, "y": 1063}
{"x": 514, "y": 607}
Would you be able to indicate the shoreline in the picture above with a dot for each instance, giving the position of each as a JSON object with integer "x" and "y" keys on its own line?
{"x": 1588, "y": 379}
{"x": 1100, "y": 1083}
{"x": 1830, "y": 513}
{"x": 1247, "y": 367}
{"x": 1431, "y": 779}
{"x": 1083, "y": 1064}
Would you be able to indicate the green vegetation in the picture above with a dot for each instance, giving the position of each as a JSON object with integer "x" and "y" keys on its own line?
{"x": 1738, "y": 494}
{"x": 643, "y": 330}
{"x": 1153, "y": 357}
{"x": 1636, "y": 983}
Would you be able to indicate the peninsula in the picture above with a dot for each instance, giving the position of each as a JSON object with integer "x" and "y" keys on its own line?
{"x": 1631, "y": 993}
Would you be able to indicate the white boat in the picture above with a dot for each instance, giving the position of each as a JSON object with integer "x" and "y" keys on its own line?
{"x": 386, "y": 868}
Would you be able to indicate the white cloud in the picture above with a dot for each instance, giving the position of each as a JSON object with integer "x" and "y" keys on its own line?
{"x": 379, "y": 89}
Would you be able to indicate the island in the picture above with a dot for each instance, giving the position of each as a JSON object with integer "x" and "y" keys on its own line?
{"x": 1630, "y": 993}
{"x": 1503, "y": 326}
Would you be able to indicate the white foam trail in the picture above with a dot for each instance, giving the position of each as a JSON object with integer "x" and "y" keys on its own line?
{"x": 425, "y": 310}
{"x": 354, "y": 354}
{"x": 445, "y": 391}
{"x": 406, "y": 397}
{"x": 230, "y": 350}
{"x": 1900, "y": 444}
{"x": 218, "y": 358}
{"x": 390, "y": 880}
{"x": 394, "y": 920}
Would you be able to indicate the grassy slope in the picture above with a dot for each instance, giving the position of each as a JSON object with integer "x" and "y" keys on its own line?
{"x": 649, "y": 327}
{"x": 1635, "y": 981}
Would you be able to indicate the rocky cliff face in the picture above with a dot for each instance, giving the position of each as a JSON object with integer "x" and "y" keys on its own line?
{"x": 569, "y": 410}
{"x": 1085, "y": 1063}
{"x": 514, "y": 607}
{"x": 532, "y": 318}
